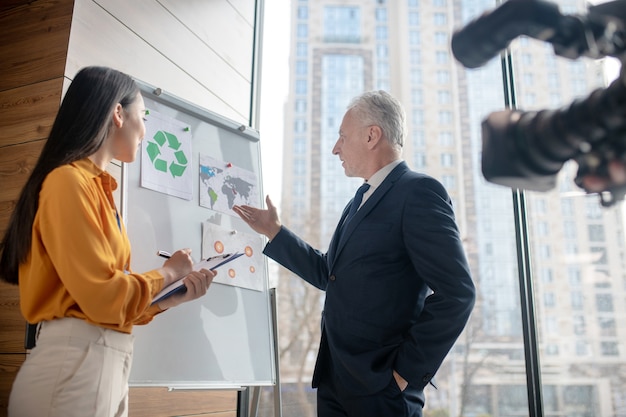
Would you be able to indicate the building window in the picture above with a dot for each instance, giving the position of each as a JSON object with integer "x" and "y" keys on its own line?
{"x": 381, "y": 14}
{"x": 449, "y": 182}
{"x": 382, "y": 51}
{"x": 599, "y": 256}
{"x": 342, "y": 24}
{"x": 441, "y": 57}
{"x": 417, "y": 97}
{"x": 301, "y": 49}
{"x": 414, "y": 37}
{"x": 414, "y": 19}
{"x": 577, "y": 300}
{"x": 607, "y": 327}
{"x": 528, "y": 78}
{"x": 418, "y": 117}
{"x": 443, "y": 77}
{"x": 445, "y": 117}
{"x": 578, "y": 323}
{"x": 447, "y": 160}
{"x": 440, "y": 19}
{"x": 446, "y": 139}
{"x": 414, "y": 57}
{"x": 596, "y": 233}
{"x": 301, "y": 68}
{"x": 419, "y": 160}
{"x": 300, "y": 106}
{"x": 417, "y": 136}
{"x": 301, "y": 87}
{"x": 300, "y": 126}
{"x": 546, "y": 275}
{"x": 299, "y": 166}
{"x": 604, "y": 303}
{"x": 441, "y": 38}
{"x": 381, "y": 33}
{"x": 549, "y": 299}
{"x": 444, "y": 97}
{"x": 552, "y": 349}
{"x": 303, "y": 12}
{"x": 544, "y": 251}
{"x": 302, "y": 30}
{"x": 582, "y": 348}
{"x": 416, "y": 76}
{"x": 541, "y": 228}
{"x": 573, "y": 276}
{"x": 609, "y": 349}
{"x": 299, "y": 146}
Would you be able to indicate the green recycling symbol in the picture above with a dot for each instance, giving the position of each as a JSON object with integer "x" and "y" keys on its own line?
{"x": 176, "y": 167}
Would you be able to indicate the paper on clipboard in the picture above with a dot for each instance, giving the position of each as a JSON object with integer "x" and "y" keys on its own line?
{"x": 211, "y": 263}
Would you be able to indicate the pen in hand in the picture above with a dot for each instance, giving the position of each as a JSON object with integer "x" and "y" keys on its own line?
{"x": 164, "y": 254}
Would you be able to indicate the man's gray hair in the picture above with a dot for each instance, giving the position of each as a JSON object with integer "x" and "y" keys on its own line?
{"x": 381, "y": 109}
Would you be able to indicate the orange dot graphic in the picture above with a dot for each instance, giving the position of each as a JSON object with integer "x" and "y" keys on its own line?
{"x": 231, "y": 273}
{"x": 219, "y": 246}
{"x": 252, "y": 269}
{"x": 249, "y": 251}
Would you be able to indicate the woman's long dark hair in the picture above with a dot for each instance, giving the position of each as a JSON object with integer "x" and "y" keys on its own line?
{"x": 80, "y": 128}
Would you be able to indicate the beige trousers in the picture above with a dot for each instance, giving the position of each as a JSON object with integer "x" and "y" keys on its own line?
{"x": 75, "y": 370}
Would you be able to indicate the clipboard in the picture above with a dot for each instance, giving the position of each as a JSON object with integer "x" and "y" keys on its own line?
{"x": 211, "y": 263}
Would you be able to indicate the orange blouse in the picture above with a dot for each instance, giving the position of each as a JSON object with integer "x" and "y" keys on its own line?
{"x": 79, "y": 262}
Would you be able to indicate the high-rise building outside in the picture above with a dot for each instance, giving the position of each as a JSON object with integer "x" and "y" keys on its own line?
{"x": 340, "y": 49}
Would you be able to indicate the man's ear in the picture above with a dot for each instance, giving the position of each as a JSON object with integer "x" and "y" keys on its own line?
{"x": 118, "y": 115}
{"x": 374, "y": 135}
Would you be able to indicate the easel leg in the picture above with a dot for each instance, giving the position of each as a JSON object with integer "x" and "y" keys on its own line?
{"x": 254, "y": 404}
{"x": 278, "y": 401}
{"x": 243, "y": 402}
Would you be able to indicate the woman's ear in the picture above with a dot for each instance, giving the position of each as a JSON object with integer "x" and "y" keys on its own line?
{"x": 118, "y": 115}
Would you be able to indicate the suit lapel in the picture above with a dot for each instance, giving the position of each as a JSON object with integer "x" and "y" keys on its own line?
{"x": 336, "y": 246}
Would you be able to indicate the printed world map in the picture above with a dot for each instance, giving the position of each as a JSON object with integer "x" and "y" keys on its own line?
{"x": 222, "y": 185}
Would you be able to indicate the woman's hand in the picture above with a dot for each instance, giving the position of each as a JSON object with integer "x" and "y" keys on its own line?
{"x": 197, "y": 283}
{"x": 177, "y": 266}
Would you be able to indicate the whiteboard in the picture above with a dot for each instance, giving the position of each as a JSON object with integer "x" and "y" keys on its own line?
{"x": 224, "y": 339}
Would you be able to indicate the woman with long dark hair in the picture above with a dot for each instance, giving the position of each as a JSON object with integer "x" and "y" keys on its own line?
{"x": 67, "y": 248}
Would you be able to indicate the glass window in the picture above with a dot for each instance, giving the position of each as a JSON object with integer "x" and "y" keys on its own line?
{"x": 443, "y": 76}
{"x": 302, "y": 49}
{"x": 440, "y": 19}
{"x": 303, "y": 12}
{"x": 441, "y": 38}
{"x": 342, "y": 24}
{"x": 444, "y": 97}
{"x": 302, "y": 30}
{"x": 301, "y": 68}
{"x": 301, "y": 87}
{"x": 381, "y": 33}
{"x": 381, "y": 14}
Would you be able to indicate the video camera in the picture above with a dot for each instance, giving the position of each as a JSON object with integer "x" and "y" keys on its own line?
{"x": 527, "y": 149}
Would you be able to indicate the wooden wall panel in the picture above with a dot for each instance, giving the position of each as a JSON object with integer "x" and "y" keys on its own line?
{"x": 16, "y": 163}
{"x": 11, "y": 320}
{"x": 159, "y": 402}
{"x": 28, "y": 112}
{"x": 9, "y": 365}
{"x": 33, "y": 42}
